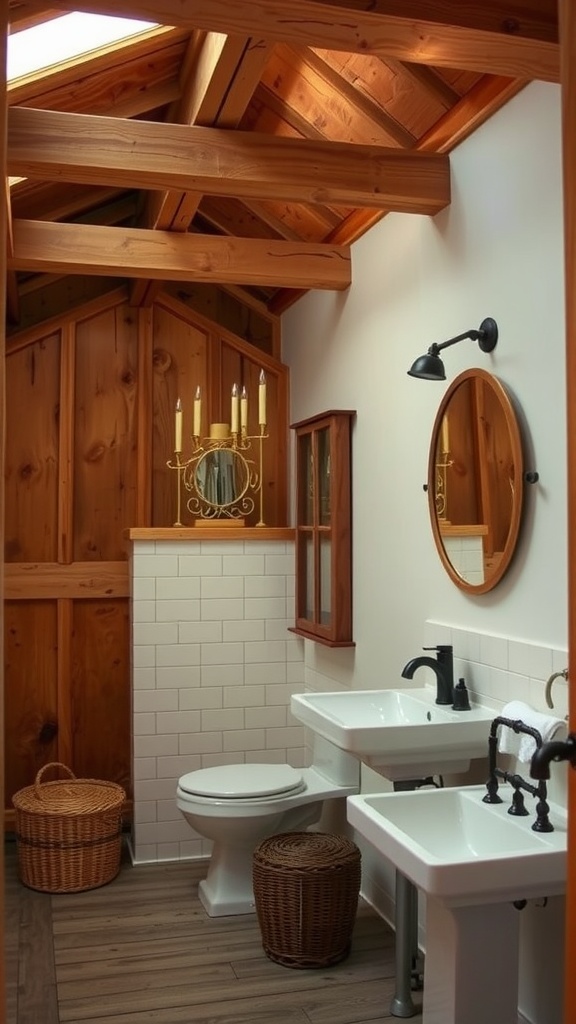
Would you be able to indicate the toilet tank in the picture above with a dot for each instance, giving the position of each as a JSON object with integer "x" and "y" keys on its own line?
{"x": 337, "y": 765}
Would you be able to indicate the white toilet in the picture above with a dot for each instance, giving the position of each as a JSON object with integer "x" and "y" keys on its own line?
{"x": 236, "y": 806}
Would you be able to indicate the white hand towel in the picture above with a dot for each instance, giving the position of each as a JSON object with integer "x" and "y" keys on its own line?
{"x": 519, "y": 744}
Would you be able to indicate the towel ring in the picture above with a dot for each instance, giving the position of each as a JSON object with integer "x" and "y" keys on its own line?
{"x": 548, "y": 691}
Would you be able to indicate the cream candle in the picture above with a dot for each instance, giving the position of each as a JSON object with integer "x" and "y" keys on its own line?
{"x": 234, "y": 410}
{"x": 178, "y": 427}
{"x": 197, "y": 427}
{"x": 244, "y": 411}
{"x": 262, "y": 399}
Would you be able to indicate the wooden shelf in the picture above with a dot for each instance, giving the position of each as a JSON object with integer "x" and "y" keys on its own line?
{"x": 210, "y": 533}
{"x": 464, "y": 530}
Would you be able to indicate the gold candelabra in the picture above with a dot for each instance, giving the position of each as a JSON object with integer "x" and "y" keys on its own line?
{"x": 223, "y": 476}
{"x": 224, "y": 472}
{"x": 441, "y": 489}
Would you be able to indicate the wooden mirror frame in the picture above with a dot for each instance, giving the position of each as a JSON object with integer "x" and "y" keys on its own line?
{"x": 479, "y": 379}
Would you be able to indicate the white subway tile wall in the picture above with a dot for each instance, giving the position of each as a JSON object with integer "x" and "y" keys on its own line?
{"x": 213, "y": 670}
{"x": 498, "y": 669}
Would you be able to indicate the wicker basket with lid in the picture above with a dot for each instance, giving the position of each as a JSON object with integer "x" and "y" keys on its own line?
{"x": 306, "y": 887}
{"x": 69, "y": 832}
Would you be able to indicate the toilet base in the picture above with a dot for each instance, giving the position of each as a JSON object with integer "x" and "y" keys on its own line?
{"x": 217, "y": 905}
{"x": 227, "y": 888}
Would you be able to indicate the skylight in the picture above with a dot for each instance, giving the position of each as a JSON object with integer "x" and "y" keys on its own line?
{"x": 64, "y": 38}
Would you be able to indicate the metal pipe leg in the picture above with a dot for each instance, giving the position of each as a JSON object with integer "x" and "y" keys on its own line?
{"x": 406, "y": 915}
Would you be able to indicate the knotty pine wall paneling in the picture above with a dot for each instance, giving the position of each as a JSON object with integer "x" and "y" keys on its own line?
{"x": 31, "y": 690}
{"x": 91, "y": 402}
{"x": 71, "y": 494}
{"x": 180, "y": 359}
{"x": 32, "y": 456}
{"x": 105, "y": 433}
{"x": 100, "y": 673}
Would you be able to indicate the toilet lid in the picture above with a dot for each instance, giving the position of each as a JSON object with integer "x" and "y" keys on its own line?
{"x": 242, "y": 780}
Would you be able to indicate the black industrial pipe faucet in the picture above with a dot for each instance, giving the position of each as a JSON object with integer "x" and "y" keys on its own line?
{"x": 555, "y": 750}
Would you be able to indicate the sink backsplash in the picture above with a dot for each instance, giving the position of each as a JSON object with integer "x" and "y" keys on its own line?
{"x": 498, "y": 669}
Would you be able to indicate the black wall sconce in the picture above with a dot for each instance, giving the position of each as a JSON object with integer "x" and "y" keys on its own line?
{"x": 431, "y": 367}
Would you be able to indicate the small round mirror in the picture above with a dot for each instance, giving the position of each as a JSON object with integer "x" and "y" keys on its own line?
{"x": 221, "y": 477}
{"x": 475, "y": 481}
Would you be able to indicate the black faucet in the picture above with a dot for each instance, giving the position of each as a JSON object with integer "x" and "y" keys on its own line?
{"x": 555, "y": 750}
{"x": 542, "y": 823}
{"x": 442, "y": 665}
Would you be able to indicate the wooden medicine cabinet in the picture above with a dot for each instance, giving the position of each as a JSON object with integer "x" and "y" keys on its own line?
{"x": 324, "y": 528}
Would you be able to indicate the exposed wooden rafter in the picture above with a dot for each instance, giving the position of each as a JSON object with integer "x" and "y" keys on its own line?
{"x": 136, "y": 154}
{"x": 134, "y": 252}
{"x": 301, "y": 121}
{"x": 505, "y": 38}
{"x": 220, "y": 76}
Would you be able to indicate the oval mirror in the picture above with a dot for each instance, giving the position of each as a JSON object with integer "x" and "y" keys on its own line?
{"x": 221, "y": 477}
{"x": 475, "y": 481}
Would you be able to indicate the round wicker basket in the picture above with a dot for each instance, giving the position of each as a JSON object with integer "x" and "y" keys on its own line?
{"x": 69, "y": 832}
{"x": 306, "y": 887}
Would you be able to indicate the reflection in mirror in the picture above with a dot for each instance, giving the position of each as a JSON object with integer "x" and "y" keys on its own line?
{"x": 221, "y": 477}
{"x": 475, "y": 481}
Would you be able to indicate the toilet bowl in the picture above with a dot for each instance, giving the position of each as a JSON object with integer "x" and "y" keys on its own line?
{"x": 236, "y": 806}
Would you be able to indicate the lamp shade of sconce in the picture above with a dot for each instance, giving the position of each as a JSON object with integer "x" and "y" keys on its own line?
{"x": 430, "y": 365}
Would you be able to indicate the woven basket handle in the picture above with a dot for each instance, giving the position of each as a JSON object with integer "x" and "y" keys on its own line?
{"x": 51, "y": 764}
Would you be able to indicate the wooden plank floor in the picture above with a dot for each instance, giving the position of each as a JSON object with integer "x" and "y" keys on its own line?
{"x": 142, "y": 950}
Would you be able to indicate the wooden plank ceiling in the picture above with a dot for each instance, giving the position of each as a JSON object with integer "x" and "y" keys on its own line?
{"x": 247, "y": 144}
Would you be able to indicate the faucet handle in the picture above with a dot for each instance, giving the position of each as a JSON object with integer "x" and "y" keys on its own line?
{"x": 440, "y": 648}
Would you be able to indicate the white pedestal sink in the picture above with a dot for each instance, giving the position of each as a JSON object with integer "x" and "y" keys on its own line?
{"x": 401, "y": 734}
{"x": 472, "y": 860}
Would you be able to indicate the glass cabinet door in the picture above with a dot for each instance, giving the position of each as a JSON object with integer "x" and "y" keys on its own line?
{"x": 323, "y": 570}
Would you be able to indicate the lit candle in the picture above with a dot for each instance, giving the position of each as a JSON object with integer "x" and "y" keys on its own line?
{"x": 197, "y": 413}
{"x": 178, "y": 427}
{"x": 244, "y": 411}
{"x": 262, "y": 399}
{"x": 234, "y": 410}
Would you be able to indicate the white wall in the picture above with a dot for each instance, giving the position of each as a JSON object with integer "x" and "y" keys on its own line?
{"x": 496, "y": 251}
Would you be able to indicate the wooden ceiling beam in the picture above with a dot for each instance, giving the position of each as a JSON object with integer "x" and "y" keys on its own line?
{"x": 217, "y": 88}
{"x": 502, "y": 37}
{"x": 355, "y": 102}
{"x": 222, "y": 81}
{"x": 430, "y": 81}
{"x": 135, "y": 154}
{"x": 220, "y": 76}
{"x": 166, "y": 255}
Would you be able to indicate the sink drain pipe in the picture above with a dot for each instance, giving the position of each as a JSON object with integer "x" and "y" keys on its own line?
{"x": 408, "y": 977}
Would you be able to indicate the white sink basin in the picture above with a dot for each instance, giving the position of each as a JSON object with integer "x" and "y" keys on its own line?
{"x": 402, "y": 734}
{"x": 462, "y": 851}
{"x": 473, "y": 860}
